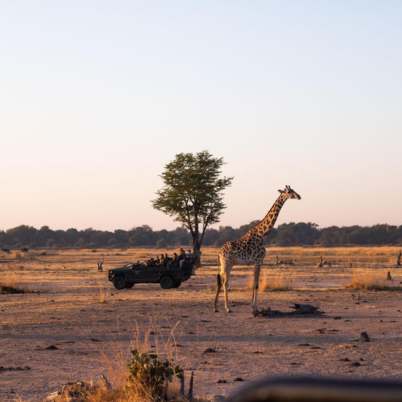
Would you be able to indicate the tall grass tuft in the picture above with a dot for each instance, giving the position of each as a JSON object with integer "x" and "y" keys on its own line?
{"x": 371, "y": 280}
{"x": 9, "y": 283}
{"x": 149, "y": 374}
{"x": 102, "y": 294}
{"x": 146, "y": 379}
{"x": 277, "y": 282}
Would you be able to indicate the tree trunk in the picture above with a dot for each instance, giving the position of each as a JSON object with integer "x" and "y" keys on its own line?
{"x": 197, "y": 252}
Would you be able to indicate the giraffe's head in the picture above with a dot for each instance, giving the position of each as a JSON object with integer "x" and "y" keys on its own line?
{"x": 288, "y": 192}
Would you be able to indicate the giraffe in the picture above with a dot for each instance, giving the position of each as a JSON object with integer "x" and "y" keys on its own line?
{"x": 249, "y": 249}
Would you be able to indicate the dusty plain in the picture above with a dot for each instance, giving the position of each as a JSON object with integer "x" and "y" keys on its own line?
{"x": 73, "y": 325}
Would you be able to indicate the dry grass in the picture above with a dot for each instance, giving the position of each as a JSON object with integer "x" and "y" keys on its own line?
{"x": 372, "y": 280}
{"x": 278, "y": 282}
{"x": 102, "y": 294}
{"x": 9, "y": 279}
{"x": 119, "y": 386}
{"x": 102, "y": 393}
{"x": 9, "y": 283}
{"x": 134, "y": 393}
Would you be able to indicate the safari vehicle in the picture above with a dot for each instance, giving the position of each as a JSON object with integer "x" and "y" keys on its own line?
{"x": 169, "y": 275}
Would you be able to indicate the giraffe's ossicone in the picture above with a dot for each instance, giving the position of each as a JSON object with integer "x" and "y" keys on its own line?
{"x": 249, "y": 249}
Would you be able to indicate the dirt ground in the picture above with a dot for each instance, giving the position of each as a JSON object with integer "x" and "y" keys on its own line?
{"x": 74, "y": 325}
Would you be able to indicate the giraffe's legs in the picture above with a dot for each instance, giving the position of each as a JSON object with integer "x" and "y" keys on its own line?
{"x": 225, "y": 268}
{"x": 222, "y": 280}
{"x": 255, "y": 288}
{"x": 226, "y": 292}
{"x": 218, "y": 290}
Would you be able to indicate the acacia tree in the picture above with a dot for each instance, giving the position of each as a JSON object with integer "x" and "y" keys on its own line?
{"x": 193, "y": 193}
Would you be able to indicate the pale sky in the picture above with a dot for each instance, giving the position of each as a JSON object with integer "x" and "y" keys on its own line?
{"x": 97, "y": 96}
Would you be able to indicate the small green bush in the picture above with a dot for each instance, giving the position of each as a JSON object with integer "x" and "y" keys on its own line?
{"x": 152, "y": 373}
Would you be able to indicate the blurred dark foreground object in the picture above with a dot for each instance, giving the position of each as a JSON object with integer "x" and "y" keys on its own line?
{"x": 314, "y": 389}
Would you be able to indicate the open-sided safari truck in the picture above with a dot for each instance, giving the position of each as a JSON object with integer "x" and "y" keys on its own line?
{"x": 169, "y": 274}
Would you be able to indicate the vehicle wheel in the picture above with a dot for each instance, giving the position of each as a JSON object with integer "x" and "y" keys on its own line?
{"x": 167, "y": 282}
{"x": 177, "y": 283}
{"x": 119, "y": 282}
{"x": 129, "y": 285}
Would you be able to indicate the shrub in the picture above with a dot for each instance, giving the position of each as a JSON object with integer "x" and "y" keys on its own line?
{"x": 146, "y": 380}
{"x": 150, "y": 375}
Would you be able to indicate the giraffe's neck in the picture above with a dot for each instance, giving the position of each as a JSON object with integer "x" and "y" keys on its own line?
{"x": 265, "y": 225}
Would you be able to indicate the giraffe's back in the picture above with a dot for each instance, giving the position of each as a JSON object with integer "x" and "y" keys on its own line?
{"x": 243, "y": 251}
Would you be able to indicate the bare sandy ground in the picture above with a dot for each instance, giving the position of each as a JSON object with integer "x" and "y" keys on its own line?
{"x": 76, "y": 326}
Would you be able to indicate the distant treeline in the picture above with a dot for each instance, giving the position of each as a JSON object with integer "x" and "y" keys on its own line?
{"x": 287, "y": 234}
